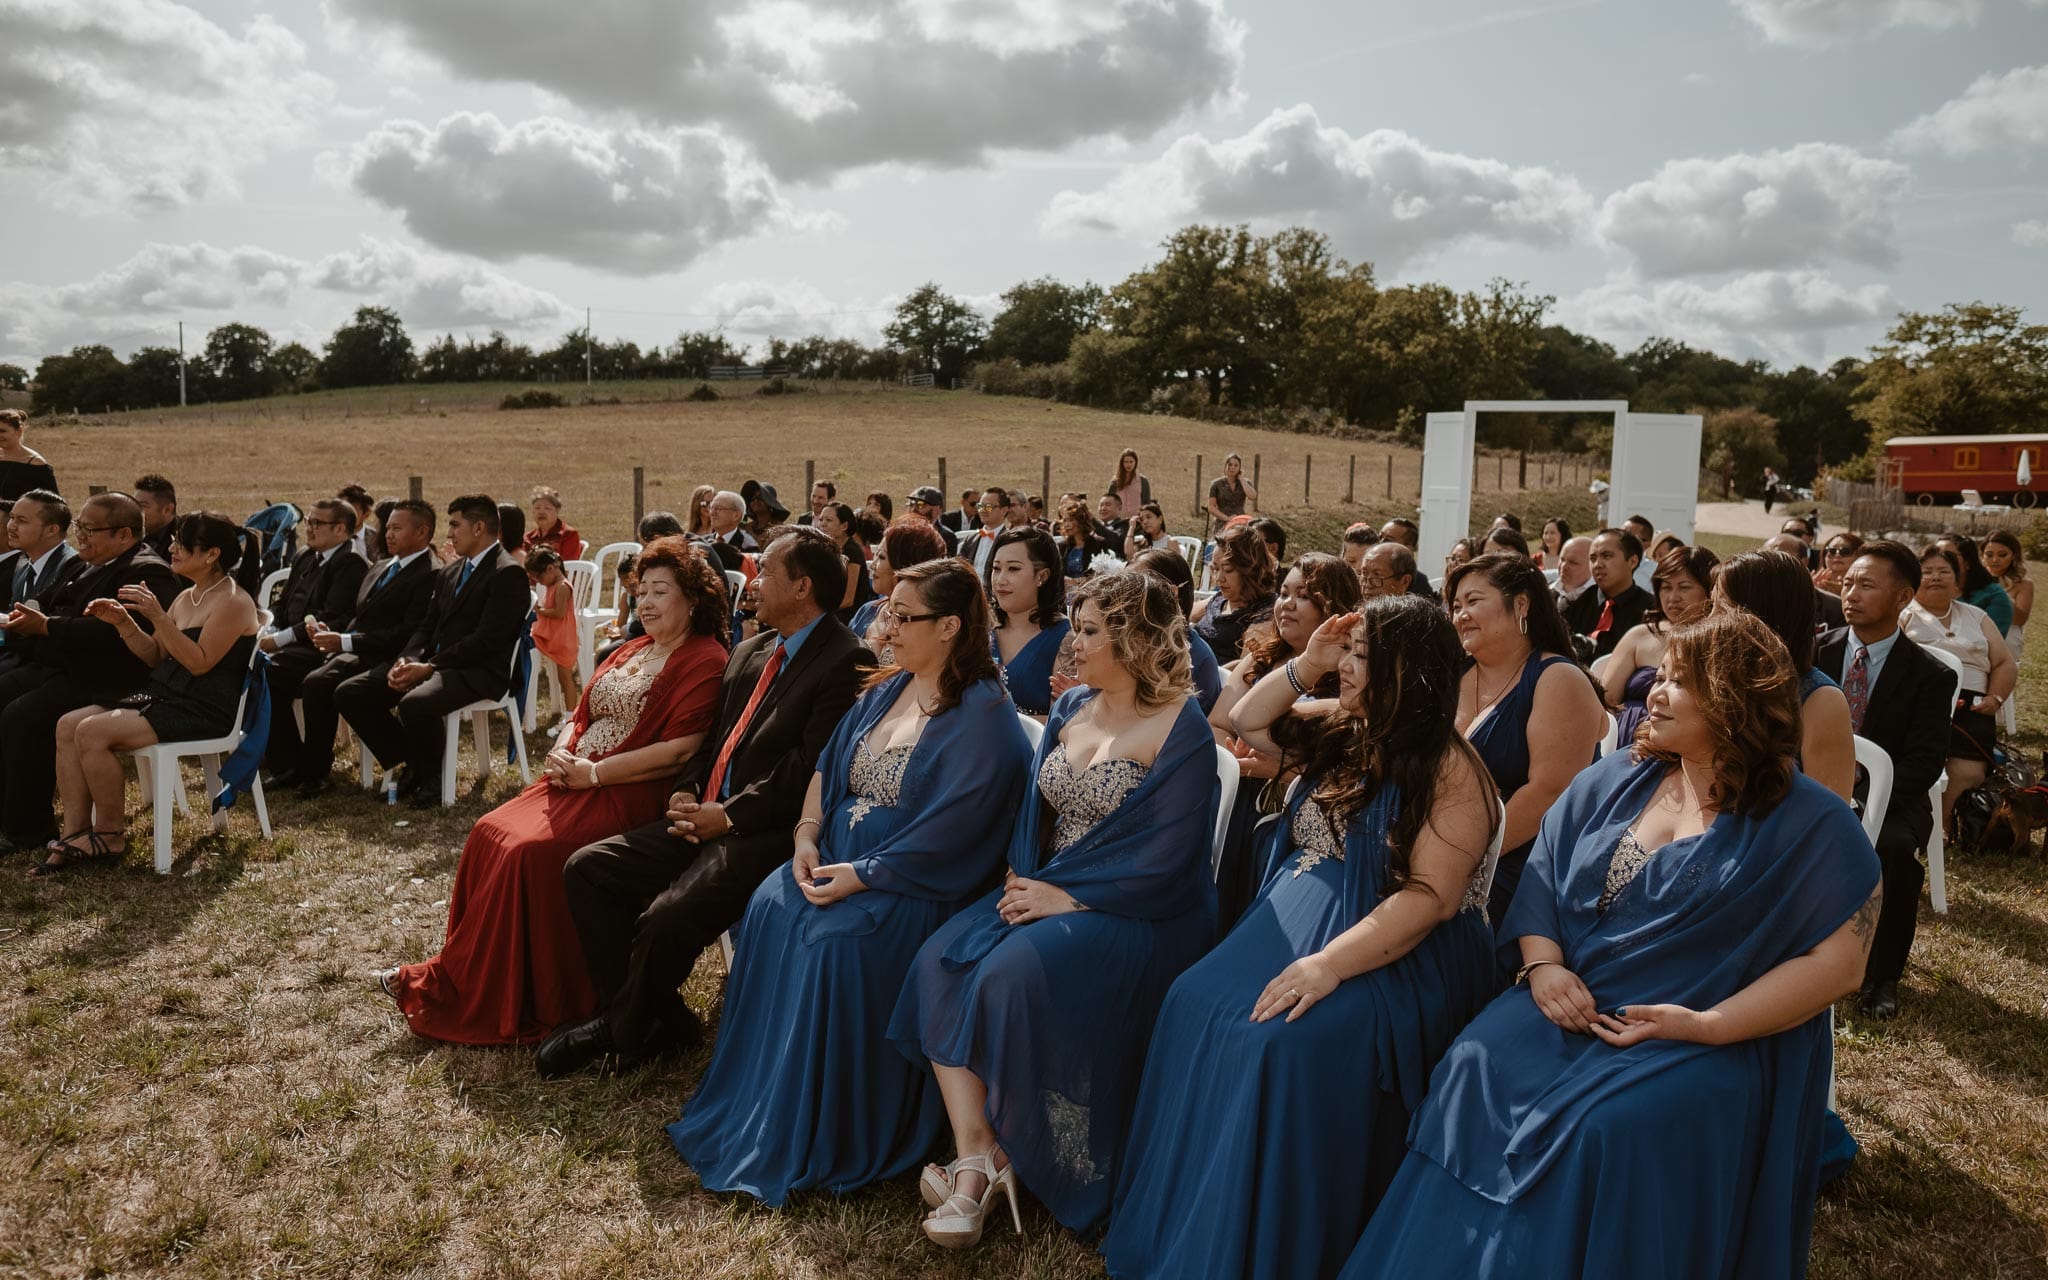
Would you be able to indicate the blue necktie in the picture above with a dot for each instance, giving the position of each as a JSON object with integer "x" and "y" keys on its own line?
{"x": 462, "y": 579}
{"x": 384, "y": 578}
{"x": 23, "y": 577}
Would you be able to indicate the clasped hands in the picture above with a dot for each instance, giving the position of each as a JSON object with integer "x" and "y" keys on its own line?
{"x": 822, "y": 885}
{"x": 405, "y": 674}
{"x": 1564, "y": 1000}
{"x": 1026, "y": 900}
{"x": 569, "y": 771}
{"x": 696, "y": 821}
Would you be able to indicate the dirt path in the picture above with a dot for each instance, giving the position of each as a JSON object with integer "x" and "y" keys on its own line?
{"x": 1746, "y": 519}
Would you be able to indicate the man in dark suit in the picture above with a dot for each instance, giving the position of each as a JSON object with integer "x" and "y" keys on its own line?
{"x": 69, "y": 660}
{"x": 158, "y": 498}
{"x": 1409, "y": 534}
{"x": 39, "y": 559}
{"x": 1828, "y": 608}
{"x": 1616, "y": 603}
{"x": 978, "y": 546}
{"x": 1900, "y": 697}
{"x": 964, "y": 519}
{"x": 646, "y": 903}
{"x": 927, "y": 503}
{"x": 728, "y": 511}
{"x": 462, "y": 653}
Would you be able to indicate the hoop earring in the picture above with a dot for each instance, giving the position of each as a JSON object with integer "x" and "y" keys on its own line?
{"x": 1524, "y": 620}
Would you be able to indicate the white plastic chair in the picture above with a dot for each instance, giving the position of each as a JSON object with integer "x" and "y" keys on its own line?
{"x": 1190, "y": 548}
{"x": 479, "y": 713}
{"x": 1612, "y": 738}
{"x": 1227, "y": 775}
{"x": 1491, "y": 863}
{"x": 1599, "y": 667}
{"x": 607, "y": 561}
{"x": 1034, "y": 732}
{"x": 582, "y": 576}
{"x": 157, "y": 773}
{"x": 1937, "y": 878}
{"x": 1876, "y": 763}
{"x": 735, "y": 583}
{"x": 271, "y": 582}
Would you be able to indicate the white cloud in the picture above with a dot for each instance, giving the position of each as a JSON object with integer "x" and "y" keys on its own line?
{"x": 1780, "y": 315}
{"x": 627, "y": 200}
{"x": 822, "y": 86}
{"x": 790, "y": 309}
{"x": 1818, "y": 23}
{"x": 116, "y": 106}
{"x": 1384, "y": 196}
{"x": 2032, "y": 234}
{"x": 1791, "y": 208}
{"x": 141, "y": 300}
{"x": 2009, "y": 110}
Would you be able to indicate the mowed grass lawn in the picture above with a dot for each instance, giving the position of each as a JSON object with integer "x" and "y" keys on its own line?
{"x": 199, "y": 1077}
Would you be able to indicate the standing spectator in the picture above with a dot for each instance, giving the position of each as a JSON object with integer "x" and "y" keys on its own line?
{"x": 21, "y": 468}
{"x": 823, "y": 494}
{"x": 1131, "y": 489}
{"x": 198, "y": 652}
{"x": 881, "y": 507}
{"x": 1899, "y": 698}
{"x": 557, "y": 631}
{"x": 1359, "y": 539}
{"x": 835, "y": 521}
{"x": 1771, "y": 488}
{"x": 1939, "y": 618}
{"x": 1556, "y": 532}
{"x": 925, "y": 503}
{"x": 966, "y": 518}
{"x": 548, "y": 529}
{"x": 2008, "y": 566}
{"x": 1229, "y": 493}
{"x": 158, "y": 498}
{"x": 647, "y": 903}
{"x": 697, "y": 521}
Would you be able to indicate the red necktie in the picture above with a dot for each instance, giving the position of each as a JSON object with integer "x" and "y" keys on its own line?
{"x": 1601, "y": 627}
{"x": 732, "y": 740}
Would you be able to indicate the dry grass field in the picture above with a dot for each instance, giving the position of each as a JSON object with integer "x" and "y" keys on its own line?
{"x": 198, "y": 1076}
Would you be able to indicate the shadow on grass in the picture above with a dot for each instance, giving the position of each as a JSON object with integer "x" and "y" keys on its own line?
{"x": 135, "y": 908}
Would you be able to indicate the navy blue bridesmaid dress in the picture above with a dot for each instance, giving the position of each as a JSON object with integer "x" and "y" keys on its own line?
{"x": 1029, "y": 674}
{"x": 1502, "y": 741}
{"x": 804, "y": 1089}
{"x": 1259, "y": 1148}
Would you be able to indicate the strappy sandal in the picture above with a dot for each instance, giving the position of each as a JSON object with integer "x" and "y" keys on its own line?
{"x": 936, "y": 1183}
{"x": 957, "y": 1222}
{"x": 66, "y": 855}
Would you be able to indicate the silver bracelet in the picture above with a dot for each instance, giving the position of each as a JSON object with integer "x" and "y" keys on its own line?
{"x": 1294, "y": 680}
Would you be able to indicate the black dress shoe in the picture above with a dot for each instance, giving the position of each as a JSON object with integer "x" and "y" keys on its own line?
{"x": 424, "y": 797}
{"x": 282, "y": 780}
{"x": 408, "y": 781}
{"x": 311, "y": 787}
{"x": 573, "y": 1048}
{"x": 1883, "y": 1000}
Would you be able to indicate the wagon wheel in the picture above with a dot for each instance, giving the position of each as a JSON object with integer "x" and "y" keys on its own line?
{"x": 1924, "y": 500}
{"x": 2024, "y": 500}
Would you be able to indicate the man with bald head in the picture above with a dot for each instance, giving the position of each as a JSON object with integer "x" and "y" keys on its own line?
{"x": 1574, "y": 569}
{"x": 1829, "y": 607}
{"x": 1388, "y": 569}
{"x": 69, "y": 660}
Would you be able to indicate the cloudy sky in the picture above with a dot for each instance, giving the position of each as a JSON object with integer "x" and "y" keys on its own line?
{"x": 1767, "y": 177}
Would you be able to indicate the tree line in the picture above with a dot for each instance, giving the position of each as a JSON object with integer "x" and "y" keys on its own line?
{"x": 1229, "y": 325}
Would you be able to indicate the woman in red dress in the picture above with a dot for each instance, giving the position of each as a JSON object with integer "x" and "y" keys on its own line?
{"x": 512, "y": 969}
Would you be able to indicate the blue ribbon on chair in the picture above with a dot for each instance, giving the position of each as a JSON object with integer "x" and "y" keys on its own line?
{"x": 238, "y": 772}
{"x": 522, "y": 682}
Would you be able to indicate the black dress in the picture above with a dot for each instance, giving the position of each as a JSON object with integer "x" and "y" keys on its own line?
{"x": 1225, "y": 632}
{"x": 857, "y": 569}
{"x": 17, "y": 478}
{"x": 182, "y": 707}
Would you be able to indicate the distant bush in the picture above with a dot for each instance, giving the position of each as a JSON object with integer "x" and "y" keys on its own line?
{"x": 779, "y": 387}
{"x": 533, "y": 398}
{"x": 703, "y": 392}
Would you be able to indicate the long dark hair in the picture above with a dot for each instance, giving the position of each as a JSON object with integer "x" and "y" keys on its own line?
{"x": 1746, "y": 687}
{"x": 1410, "y": 723}
{"x": 1975, "y": 576}
{"x": 1776, "y": 587}
{"x": 1334, "y": 589}
{"x": 950, "y": 589}
{"x": 1166, "y": 563}
{"x": 1044, "y": 554}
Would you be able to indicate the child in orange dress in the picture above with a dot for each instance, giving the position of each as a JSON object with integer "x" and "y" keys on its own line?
{"x": 555, "y": 623}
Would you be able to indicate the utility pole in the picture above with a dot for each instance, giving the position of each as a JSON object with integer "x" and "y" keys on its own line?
{"x": 181, "y": 364}
{"x": 586, "y": 349}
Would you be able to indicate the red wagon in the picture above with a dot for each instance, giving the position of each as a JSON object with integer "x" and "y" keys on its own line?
{"x": 1943, "y": 467}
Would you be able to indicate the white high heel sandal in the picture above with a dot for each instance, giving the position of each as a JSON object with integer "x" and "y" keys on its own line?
{"x": 936, "y": 1183}
{"x": 957, "y": 1222}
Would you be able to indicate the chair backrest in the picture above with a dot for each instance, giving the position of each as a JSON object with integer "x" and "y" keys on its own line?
{"x": 583, "y": 579}
{"x": 1877, "y": 764}
{"x": 1034, "y": 732}
{"x": 735, "y": 583}
{"x": 1599, "y": 667}
{"x": 1972, "y": 498}
{"x": 607, "y": 562}
{"x": 271, "y": 582}
{"x": 1492, "y": 859}
{"x": 1227, "y": 776}
{"x": 1612, "y": 738}
{"x": 1190, "y": 549}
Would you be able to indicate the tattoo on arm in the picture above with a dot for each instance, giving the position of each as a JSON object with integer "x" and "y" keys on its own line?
{"x": 1864, "y": 922}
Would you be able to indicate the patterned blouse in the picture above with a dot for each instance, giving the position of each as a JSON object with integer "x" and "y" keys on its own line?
{"x": 1083, "y": 799}
{"x": 875, "y": 780}
{"x": 616, "y": 699}
{"x": 1623, "y": 865}
{"x": 1316, "y": 836}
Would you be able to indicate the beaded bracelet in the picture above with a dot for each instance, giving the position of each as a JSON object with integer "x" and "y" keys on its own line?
{"x": 1295, "y": 680}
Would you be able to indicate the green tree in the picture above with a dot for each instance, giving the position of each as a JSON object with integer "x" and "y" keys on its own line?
{"x": 941, "y": 331}
{"x": 1737, "y": 444}
{"x": 238, "y": 359}
{"x": 372, "y": 349}
{"x": 1816, "y": 413}
{"x": 89, "y": 379}
{"x": 693, "y": 354}
{"x": 13, "y": 378}
{"x": 1970, "y": 368}
{"x": 1040, "y": 320}
{"x": 294, "y": 367}
{"x": 151, "y": 379}
{"x": 1571, "y": 366}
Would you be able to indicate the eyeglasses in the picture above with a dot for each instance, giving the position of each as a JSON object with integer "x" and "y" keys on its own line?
{"x": 324, "y": 524}
{"x": 1838, "y": 553}
{"x": 88, "y": 530}
{"x": 1374, "y": 581}
{"x": 988, "y": 506}
{"x": 889, "y": 619}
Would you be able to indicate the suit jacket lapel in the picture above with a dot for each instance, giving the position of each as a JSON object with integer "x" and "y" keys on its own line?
{"x": 1884, "y": 693}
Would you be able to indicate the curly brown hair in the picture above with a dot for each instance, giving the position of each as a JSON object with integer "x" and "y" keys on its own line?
{"x": 1147, "y": 633}
{"x": 1740, "y": 675}
{"x": 1243, "y": 549}
{"x": 1330, "y": 585}
{"x": 710, "y": 609}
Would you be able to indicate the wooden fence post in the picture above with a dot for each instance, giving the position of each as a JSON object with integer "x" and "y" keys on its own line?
{"x": 1500, "y": 471}
{"x": 810, "y": 479}
{"x": 416, "y": 488}
{"x": 95, "y": 490}
{"x": 1351, "y": 485}
{"x": 948, "y": 493}
{"x": 1045, "y": 483}
{"x": 1255, "y": 478}
{"x": 1308, "y": 468}
{"x": 1390, "y": 475}
{"x": 640, "y": 496}
{"x": 1201, "y": 511}
{"x": 1522, "y": 480}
